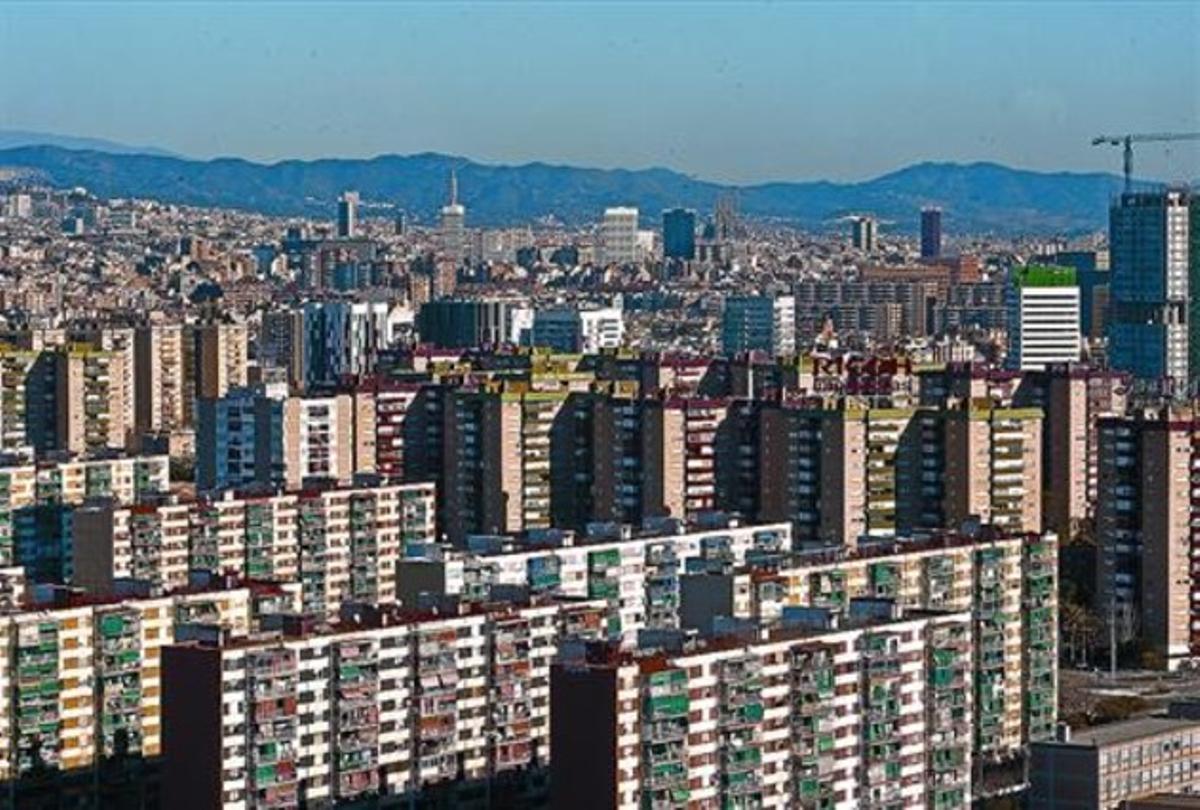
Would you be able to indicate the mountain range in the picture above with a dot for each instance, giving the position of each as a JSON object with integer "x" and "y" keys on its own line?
{"x": 976, "y": 197}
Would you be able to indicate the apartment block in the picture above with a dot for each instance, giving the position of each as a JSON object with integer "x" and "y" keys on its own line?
{"x": 84, "y": 682}
{"x": 383, "y": 703}
{"x": 92, "y": 414}
{"x": 219, "y": 356}
{"x": 992, "y": 466}
{"x": 339, "y": 544}
{"x": 37, "y": 502}
{"x": 637, "y": 576}
{"x": 1008, "y": 583}
{"x": 874, "y": 713}
{"x": 164, "y": 382}
{"x": 498, "y": 460}
{"x": 251, "y": 437}
{"x": 1147, "y": 513}
{"x": 28, "y": 412}
{"x": 834, "y": 472}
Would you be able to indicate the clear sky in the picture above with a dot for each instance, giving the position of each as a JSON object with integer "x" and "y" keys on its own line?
{"x": 733, "y": 92}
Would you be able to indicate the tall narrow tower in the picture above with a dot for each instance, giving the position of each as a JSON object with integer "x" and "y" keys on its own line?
{"x": 453, "y": 224}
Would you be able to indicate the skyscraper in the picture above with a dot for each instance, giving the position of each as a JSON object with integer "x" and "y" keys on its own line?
{"x": 863, "y": 233}
{"x": 1150, "y": 238}
{"x": 679, "y": 234}
{"x": 618, "y": 236}
{"x": 1043, "y": 325}
{"x": 452, "y": 231}
{"x": 931, "y": 233}
{"x": 347, "y": 215}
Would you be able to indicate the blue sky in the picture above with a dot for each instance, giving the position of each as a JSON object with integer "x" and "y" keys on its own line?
{"x": 744, "y": 92}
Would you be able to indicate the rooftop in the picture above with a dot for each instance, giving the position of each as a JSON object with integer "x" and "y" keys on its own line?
{"x": 1128, "y": 731}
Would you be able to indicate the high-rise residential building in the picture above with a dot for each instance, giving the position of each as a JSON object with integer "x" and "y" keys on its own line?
{"x": 390, "y": 708}
{"x": 1007, "y": 581}
{"x": 931, "y": 233}
{"x": 679, "y": 234}
{"x": 338, "y": 544}
{"x": 90, "y": 399}
{"x": 219, "y": 355}
{"x": 281, "y": 343}
{"x": 452, "y": 234}
{"x": 618, "y": 242}
{"x": 164, "y": 386}
{"x": 28, "y": 413}
{"x": 500, "y": 469}
{"x": 37, "y": 503}
{"x": 816, "y": 715}
{"x": 1044, "y": 318}
{"x": 250, "y": 437}
{"x": 678, "y": 460}
{"x": 835, "y": 473}
{"x": 992, "y": 465}
{"x": 1147, "y": 513}
{"x": 638, "y": 577}
{"x": 864, "y": 233}
{"x": 765, "y": 323}
{"x": 347, "y": 215}
{"x": 86, "y": 686}
{"x": 1151, "y": 299}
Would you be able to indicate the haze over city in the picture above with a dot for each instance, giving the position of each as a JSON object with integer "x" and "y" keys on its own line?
{"x": 599, "y": 406}
{"x": 726, "y": 92}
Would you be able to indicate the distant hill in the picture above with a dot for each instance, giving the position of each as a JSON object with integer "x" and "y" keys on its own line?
{"x": 12, "y": 138}
{"x": 976, "y": 197}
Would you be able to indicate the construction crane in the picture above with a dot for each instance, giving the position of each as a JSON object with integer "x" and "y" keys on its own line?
{"x": 1129, "y": 140}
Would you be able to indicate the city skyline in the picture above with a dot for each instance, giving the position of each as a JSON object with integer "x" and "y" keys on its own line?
{"x": 716, "y": 94}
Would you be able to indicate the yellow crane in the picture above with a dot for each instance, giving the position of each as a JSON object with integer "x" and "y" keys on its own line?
{"x": 1129, "y": 140}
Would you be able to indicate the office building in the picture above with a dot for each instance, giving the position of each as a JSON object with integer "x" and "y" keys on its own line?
{"x": 1150, "y": 297}
{"x": 931, "y": 233}
{"x": 471, "y": 323}
{"x": 1116, "y": 765}
{"x": 864, "y": 233}
{"x": 816, "y": 715}
{"x": 341, "y": 339}
{"x": 573, "y": 330}
{"x": 347, "y": 215}
{"x": 1044, "y": 322}
{"x": 618, "y": 242}
{"x": 1092, "y": 273}
{"x": 765, "y": 323}
{"x": 679, "y": 234}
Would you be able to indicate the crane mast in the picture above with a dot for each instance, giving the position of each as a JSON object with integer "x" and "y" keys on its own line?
{"x": 1127, "y": 141}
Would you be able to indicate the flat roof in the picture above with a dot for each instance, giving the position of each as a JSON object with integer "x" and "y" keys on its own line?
{"x": 1126, "y": 731}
